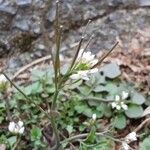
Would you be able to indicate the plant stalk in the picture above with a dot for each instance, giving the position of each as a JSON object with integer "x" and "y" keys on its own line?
{"x": 53, "y": 120}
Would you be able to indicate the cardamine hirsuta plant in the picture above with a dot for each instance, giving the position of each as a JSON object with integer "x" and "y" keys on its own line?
{"x": 83, "y": 64}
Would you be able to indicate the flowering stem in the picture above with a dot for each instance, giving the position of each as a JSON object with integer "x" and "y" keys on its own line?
{"x": 17, "y": 142}
{"x": 7, "y": 107}
{"x": 76, "y": 54}
{"x": 104, "y": 56}
{"x": 82, "y": 136}
{"x": 53, "y": 120}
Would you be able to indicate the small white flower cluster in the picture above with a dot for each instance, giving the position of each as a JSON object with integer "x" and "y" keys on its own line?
{"x": 118, "y": 104}
{"x": 129, "y": 138}
{"x": 2, "y": 79}
{"x": 84, "y": 75}
{"x": 85, "y": 61}
{"x": 86, "y": 58}
{"x": 94, "y": 117}
{"x": 16, "y": 127}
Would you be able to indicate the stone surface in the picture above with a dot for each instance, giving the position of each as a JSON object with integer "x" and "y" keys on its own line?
{"x": 8, "y": 7}
{"x": 111, "y": 20}
{"x": 144, "y": 2}
{"x": 24, "y": 2}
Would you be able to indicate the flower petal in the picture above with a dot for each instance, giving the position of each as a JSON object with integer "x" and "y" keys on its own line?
{"x": 11, "y": 126}
{"x": 94, "y": 117}
{"x": 117, "y": 98}
{"x": 125, "y": 95}
{"x": 21, "y": 131}
{"x": 131, "y": 137}
{"x": 124, "y": 106}
{"x": 20, "y": 124}
{"x": 125, "y": 146}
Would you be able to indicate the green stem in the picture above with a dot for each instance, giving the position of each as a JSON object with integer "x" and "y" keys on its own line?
{"x": 55, "y": 130}
{"x": 54, "y": 99}
{"x": 53, "y": 120}
{"x": 16, "y": 144}
{"x": 84, "y": 135}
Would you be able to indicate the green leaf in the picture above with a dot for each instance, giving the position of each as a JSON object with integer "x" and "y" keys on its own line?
{"x": 35, "y": 133}
{"x": 37, "y": 74}
{"x": 91, "y": 136}
{"x": 1, "y": 119}
{"x": 75, "y": 85}
{"x": 36, "y": 87}
{"x": 2, "y": 104}
{"x": 111, "y": 70}
{"x": 80, "y": 108}
{"x": 69, "y": 129}
{"x": 12, "y": 140}
{"x": 134, "y": 111}
{"x": 145, "y": 145}
{"x": 100, "y": 88}
{"x": 100, "y": 78}
{"x": 107, "y": 111}
{"x": 88, "y": 112}
{"x": 50, "y": 89}
{"x": 111, "y": 88}
{"x": 84, "y": 90}
{"x": 138, "y": 98}
{"x": 120, "y": 121}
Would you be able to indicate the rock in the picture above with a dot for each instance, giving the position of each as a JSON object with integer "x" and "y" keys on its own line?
{"x": 5, "y": 22}
{"x": 111, "y": 20}
{"x": 41, "y": 47}
{"x": 22, "y": 24}
{"x": 8, "y": 7}
{"x": 24, "y": 2}
{"x": 126, "y": 3}
{"x": 51, "y": 13}
{"x": 1, "y": 1}
{"x": 4, "y": 48}
{"x": 14, "y": 63}
{"x": 144, "y": 2}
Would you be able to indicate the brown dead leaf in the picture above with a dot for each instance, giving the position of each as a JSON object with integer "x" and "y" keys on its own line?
{"x": 135, "y": 46}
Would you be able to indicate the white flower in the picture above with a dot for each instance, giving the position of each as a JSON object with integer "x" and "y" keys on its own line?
{"x": 80, "y": 75}
{"x": 125, "y": 146}
{"x": 20, "y": 123}
{"x": 117, "y": 98}
{"x": 118, "y": 107}
{"x": 94, "y": 117}
{"x": 113, "y": 105}
{"x": 3, "y": 79}
{"x": 131, "y": 137}
{"x": 124, "y": 95}
{"x": 86, "y": 58}
{"x": 16, "y": 127}
{"x": 119, "y": 103}
{"x": 83, "y": 74}
{"x": 94, "y": 70}
{"x": 21, "y": 130}
{"x": 85, "y": 61}
{"x": 124, "y": 106}
{"x": 11, "y": 126}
